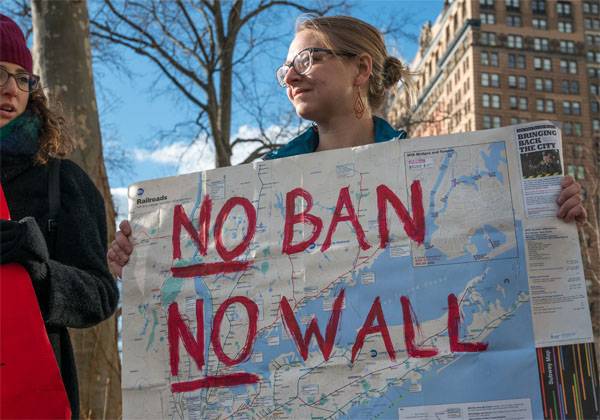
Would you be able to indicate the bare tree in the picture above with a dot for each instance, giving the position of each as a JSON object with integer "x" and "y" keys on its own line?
{"x": 198, "y": 46}
{"x": 589, "y": 238}
{"x": 63, "y": 60}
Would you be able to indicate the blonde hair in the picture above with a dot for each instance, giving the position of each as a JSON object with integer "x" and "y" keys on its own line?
{"x": 55, "y": 140}
{"x": 348, "y": 34}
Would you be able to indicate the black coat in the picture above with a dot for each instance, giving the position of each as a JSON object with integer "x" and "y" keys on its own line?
{"x": 77, "y": 289}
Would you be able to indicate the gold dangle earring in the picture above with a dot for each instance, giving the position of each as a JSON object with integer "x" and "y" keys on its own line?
{"x": 359, "y": 105}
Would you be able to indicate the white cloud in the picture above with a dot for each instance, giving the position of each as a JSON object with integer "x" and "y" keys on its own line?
{"x": 119, "y": 196}
{"x": 275, "y": 133}
{"x": 198, "y": 156}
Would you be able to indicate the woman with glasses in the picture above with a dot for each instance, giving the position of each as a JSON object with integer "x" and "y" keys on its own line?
{"x": 58, "y": 227}
{"x": 336, "y": 75}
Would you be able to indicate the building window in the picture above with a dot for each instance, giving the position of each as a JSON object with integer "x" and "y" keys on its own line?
{"x": 539, "y": 23}
{"x": 518, "y": 103}
{"x": 565, "y": 27}
{"x": 488, "y": 79}
{"x": 544, "y": 105}
{"x": 519, "y": 82}
{"x": 523, "y": 103}
{"x": 567, "y": 128}
{"x": 516, "y": 61}
{"x": 592, "y": 8}
{"x": 486, "y": 3}
{"x": 513, "y": 5}
{"x": 494, "y": 80}
{"x": 578, "y": 129}
{"x": 517, "y": 120}
{"x": 514, "y": 41}
{"x": 567, "y": 47}
{"x": 580, "y": 172}
{"x": 543, "y": 85}
{"x": 541, "y": 63}
{"x": 596, "y": 125}
{"x": 490, "y": 101}
{"x": 593, "y": 72}
{"x": 593, "y": 57}
{"x": 571, "y": 170}
{"x": 487, "y": 38}
{"x": 489, "y": 59}
{"x": 578, "y": 152}
{"x": 522, "y": 82}
{"x": 538, "y": 6}
{"x": 487, "y": 18}
{"x": 539, "y": 105}
{"x": 541, "y": 44}
{"x": 490, "y": 121}
{"x": 563, "y": 8}
{"x": 595, "y": 107}
{"x": 594, "y": 89}
{"x": 569, "y": 86}
{"x": 593, "y": 24}
{"x": 514, "y": 21}
{"x": 568, "y": 66}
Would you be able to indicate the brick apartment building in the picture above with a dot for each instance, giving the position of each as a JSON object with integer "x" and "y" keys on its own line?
{"x": 493, "y": 63}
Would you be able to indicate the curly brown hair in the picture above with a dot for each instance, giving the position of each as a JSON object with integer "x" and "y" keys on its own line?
{"x": 55, "y": 140}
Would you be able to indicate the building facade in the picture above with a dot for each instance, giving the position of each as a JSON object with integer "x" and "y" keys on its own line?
{"x": 492, "y": 63}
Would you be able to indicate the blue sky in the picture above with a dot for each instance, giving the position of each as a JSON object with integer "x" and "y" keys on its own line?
{"x": 135, "y": 109}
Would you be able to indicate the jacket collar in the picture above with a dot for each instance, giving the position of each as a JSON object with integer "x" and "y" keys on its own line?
{"x": 308, "y": 141}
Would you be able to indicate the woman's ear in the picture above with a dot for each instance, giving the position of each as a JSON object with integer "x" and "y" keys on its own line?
{"x": 365, "y": 67}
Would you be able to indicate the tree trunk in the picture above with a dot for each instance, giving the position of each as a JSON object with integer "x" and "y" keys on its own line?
{"x": 63, "y": 60}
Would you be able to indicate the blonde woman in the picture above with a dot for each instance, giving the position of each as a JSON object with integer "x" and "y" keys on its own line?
{"x": 336, "y": 74}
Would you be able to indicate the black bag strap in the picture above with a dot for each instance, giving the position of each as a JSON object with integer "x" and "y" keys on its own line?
{"x": 53, "y": 201}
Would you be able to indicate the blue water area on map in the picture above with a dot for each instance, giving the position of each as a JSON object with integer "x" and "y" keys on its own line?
{"x": 492, "y": 160}
{"x": 503, "y": 280}
{"x": 486, "y": 239}
{"x": 471, "y": 377}
{"x": 511, "y": 345}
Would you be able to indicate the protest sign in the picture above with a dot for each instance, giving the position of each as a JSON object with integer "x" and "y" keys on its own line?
{"x": 406, "y": 279}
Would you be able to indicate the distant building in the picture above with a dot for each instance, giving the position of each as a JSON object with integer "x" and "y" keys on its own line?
{"x": 492, "y": 63}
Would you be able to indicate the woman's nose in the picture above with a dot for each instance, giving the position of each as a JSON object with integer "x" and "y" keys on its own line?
{"x": 291, "y": 76}
{"x": 10, "y": 87}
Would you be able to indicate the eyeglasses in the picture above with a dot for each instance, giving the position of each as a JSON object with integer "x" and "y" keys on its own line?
{"x": 303, "y": 61}
{"x": 25, "y": 81}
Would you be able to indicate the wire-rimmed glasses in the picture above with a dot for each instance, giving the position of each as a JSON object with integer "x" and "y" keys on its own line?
{"x": 303, "y": 61}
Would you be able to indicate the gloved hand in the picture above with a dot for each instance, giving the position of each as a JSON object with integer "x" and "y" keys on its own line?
{"x": 23, "y": 242}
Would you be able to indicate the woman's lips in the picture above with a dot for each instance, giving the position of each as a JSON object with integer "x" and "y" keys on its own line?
{"x": 7, "y": 114}
{"x": 298, "y": 92}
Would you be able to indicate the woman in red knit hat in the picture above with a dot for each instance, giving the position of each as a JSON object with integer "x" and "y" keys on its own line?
{"x": 58, "y": 227}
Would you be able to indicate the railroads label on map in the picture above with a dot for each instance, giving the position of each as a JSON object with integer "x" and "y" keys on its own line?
{"x": 422, "y": 278}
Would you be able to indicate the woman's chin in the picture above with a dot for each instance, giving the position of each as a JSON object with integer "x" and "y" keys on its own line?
{"x": 306, "y": 112}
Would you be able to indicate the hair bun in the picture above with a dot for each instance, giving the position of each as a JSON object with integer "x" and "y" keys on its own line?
{"x": 393, "y": 70}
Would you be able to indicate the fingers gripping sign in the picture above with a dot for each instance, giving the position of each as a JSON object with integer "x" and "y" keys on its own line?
{"x": 570, "y": 202}
{"x": 120, "y": 249}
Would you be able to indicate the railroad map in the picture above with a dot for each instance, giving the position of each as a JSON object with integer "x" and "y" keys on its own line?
{"x": 376, "y": 282}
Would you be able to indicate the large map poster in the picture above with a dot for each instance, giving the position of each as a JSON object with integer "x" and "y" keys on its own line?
{"x": 415, "y": 279}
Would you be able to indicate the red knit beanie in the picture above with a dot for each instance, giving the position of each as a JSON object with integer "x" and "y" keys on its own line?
{"x": 13, "y": 47}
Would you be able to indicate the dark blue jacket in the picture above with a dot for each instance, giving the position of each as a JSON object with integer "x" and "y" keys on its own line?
{"x": 308, "y": 141}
